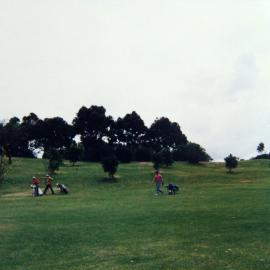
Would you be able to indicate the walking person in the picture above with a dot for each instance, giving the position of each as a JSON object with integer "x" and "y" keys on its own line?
{"x": 158, "y": 179}
{"x": 49, "y": 180}
{"x": 35, "y": 183}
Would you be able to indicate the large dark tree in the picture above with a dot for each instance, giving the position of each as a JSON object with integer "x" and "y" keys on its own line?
{"x": 2, "y": 137}
{"x": 191, "y": 152}
{"x": 30, "y": 130}
{"x": 100, "y": 136}
{"x": 144, "y": 154}
{"x": 29, "y": 126}
{"x": 167, "y": 157}
{"x": 3, "y": 168}
{"x": 165, "y": 134}
{"x": 53, "y": 133}
{"x": 13, "y": 140}
{"x": 5, "y": 142}
{"x": 123, "y": 153}
{"x": 11, "y": 137}
{"x": 158, "y": 160}
{"x": 74, "y": 152}
{"x": 96, "y": 130}
{"x": 131, "y": 130}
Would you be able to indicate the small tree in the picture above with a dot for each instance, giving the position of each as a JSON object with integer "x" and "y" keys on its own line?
{"x": 231, "y": 162}
{"x": 260, "y": 147}
{"x": 55, "y": 160}
{"x": 158, "y": 160}
{"x": 110, "y": 165}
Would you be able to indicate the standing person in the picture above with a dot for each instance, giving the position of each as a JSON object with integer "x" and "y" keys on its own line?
{"x": 158, "y": 179}
{"x": 35, "y": 182}
{"x": 48, "y": 184}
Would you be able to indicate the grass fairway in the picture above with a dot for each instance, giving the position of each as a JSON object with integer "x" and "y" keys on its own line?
{"x": 218, "y": 221}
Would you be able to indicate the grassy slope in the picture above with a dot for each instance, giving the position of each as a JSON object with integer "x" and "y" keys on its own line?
{"x": 218, "y": 221}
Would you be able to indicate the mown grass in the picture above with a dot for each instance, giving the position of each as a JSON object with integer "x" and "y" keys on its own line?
{"x": 217, "y": 221}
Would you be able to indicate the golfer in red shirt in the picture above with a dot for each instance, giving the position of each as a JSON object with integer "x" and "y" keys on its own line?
{"x": 158, "y": 179}
{"x": 35, "y": 182}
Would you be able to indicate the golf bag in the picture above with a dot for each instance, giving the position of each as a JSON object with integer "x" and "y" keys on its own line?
{"x": 36, "y": 191}
{"x": 172, "y": 189}
{"x": 63, "y": 188}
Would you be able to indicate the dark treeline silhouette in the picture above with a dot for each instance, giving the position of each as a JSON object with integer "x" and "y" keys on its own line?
{"x": 101, "y": 136}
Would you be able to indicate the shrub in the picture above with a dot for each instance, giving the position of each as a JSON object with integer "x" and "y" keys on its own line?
{"x": 55, "y": 160}
{"x": 231, "y": 162}
{"x": 110, "y": 165}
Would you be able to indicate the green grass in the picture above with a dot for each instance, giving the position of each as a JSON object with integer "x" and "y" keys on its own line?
{"x": 218, "y": 221}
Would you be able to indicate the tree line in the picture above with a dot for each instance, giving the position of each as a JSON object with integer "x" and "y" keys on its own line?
{"x": 127, "y": 138}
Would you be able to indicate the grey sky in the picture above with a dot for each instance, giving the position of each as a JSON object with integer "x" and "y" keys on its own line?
{"x": 204, "y": 64}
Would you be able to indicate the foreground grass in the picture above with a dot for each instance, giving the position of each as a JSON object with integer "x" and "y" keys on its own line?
{"x": 218, "y": 221}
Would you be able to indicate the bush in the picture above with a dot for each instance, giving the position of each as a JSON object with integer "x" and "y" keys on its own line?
{"x": 55, "y": 159}
{"x": 231, "y": 162}
{"x": 110, "y": 165}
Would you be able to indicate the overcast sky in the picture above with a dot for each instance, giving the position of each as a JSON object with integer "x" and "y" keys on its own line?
{"x": 204, "y": 64}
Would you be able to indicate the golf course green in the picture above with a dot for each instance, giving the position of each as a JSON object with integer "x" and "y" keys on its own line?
{"x": 218, "y": 220}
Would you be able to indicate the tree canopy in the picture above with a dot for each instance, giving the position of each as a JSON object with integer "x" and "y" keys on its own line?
{"x": 127, "y": 138}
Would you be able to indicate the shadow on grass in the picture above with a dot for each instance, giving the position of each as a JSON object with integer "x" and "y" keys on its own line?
{"x": 232, "y": 172}
{"x": 107, "y": 180}
{"x": 60, "y": 194}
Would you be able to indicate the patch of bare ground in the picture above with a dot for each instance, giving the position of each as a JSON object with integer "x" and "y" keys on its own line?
{"x": 246, "y": 181}
{"x": 17, "y": 194}
{"x": 4, "y": 227}
{"x": 145, "y": 163}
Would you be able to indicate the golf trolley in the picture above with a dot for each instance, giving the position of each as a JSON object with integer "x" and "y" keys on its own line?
{"x": 172, "y": 189}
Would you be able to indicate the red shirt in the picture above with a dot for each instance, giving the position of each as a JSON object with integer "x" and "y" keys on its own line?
{"x": 35, "y": 181}
{"x": 158, "y": 178}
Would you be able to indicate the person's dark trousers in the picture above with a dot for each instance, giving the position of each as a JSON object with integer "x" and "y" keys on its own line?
{"x": 36, "y": 190}
{"x": 48, "y": 187}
